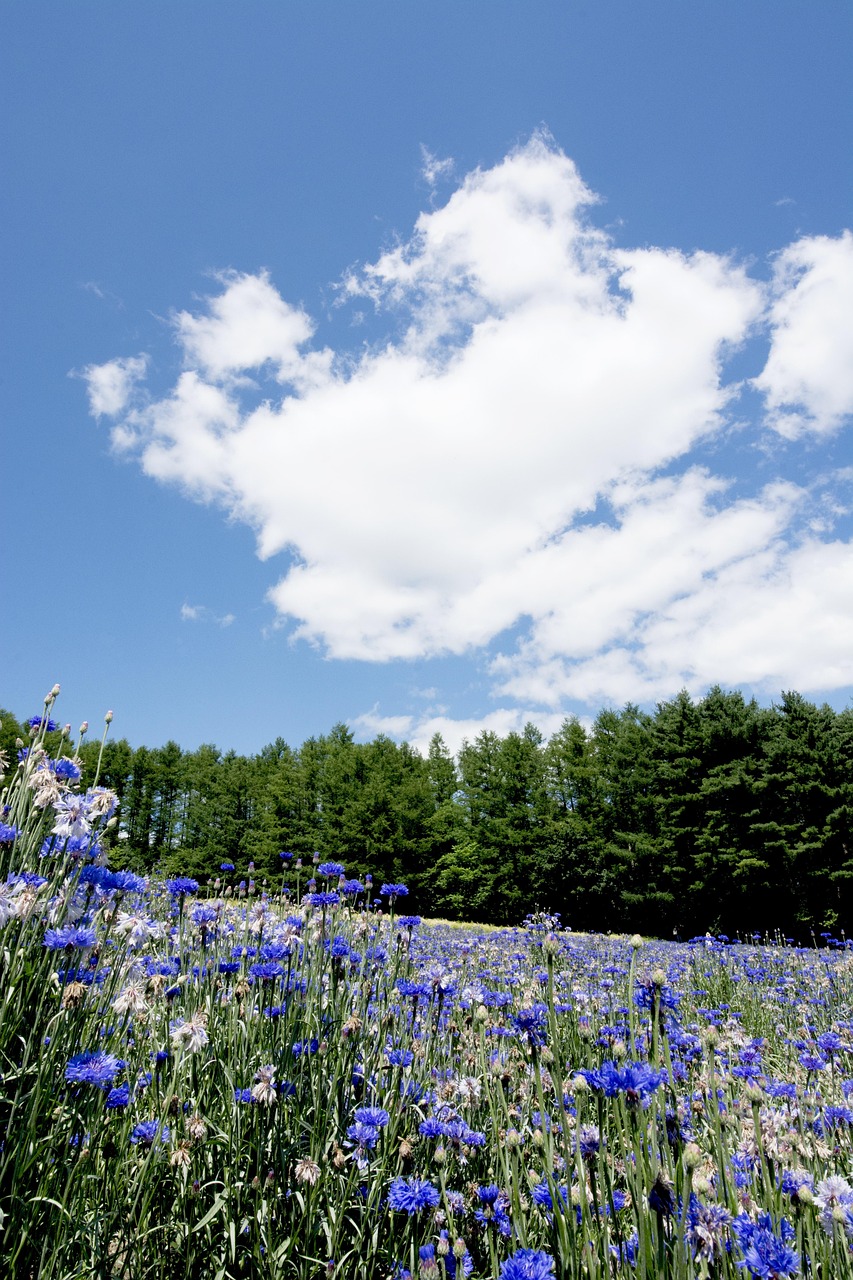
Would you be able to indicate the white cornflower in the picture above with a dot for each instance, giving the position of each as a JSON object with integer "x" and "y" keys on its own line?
{"x": 137, "y": 929}
{"x": 263, "y": 1091}
{"x": 8, "y": 904}
{"x": 132, "y": 999}
{"x": 190, "y": 1035}
{"x": 72, "y": 817}
{"x": 307, "y": 1170}
{"x": 102, "y": 802}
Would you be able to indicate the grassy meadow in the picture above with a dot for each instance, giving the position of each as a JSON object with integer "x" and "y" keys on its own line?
{"x": 299, "y": 1079}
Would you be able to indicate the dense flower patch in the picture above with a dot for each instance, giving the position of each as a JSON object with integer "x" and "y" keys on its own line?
{"x": 271, "y": 1085}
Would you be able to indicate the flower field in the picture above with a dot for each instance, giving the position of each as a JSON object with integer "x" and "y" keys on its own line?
{"x": 302, "y": 1080}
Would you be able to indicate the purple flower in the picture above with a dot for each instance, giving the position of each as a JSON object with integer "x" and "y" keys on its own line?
{"x": 331, "y": 870}
{"x": 7, "y": 833}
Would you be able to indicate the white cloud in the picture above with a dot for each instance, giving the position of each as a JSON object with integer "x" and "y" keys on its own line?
{"x": 808, "y": 378}
{"x": 419, "y": 731}
{"x": 432, "y": 491}
{"x": 111, "y": 385}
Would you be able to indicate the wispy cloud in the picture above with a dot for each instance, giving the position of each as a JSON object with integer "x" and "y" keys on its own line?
{"x": 201, "y": 613}
{"x": 435, "y": 490}
{"x": 433, "y": 169}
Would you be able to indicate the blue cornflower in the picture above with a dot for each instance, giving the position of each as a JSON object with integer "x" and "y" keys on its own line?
{"x": 305, "y": 1046}
{"x": 351, "y": 887}
{"x": 181, "y": 885}
{"x": 765, "y": 1255}
{"x": 30, "y": 878}
{"x": 203, "y": 914}
{"x": 411, "y": 1195}
{"x": 830, "y": 1042}
{"x": 527, "y": 1264}
{"x": 541, "y": 1195}
{"x": 331, "y": 870}
{"x": 118, "y": 1098}
{"x": 127, "y": 882}
{"x": 227, "y": 866}
{"x": 393, "y": 891}
{"x": 432, "y": 1128}
{"x": 363, "y": 1135}
{"x": 7, "y": 833}
{"x": 408, "y": 922}
{"x": 145, "y": 1133}
{"x": 328, "y": 899}
{"x": 70, "y": 937}
{"x": 268, "y": 971}
{"x": 97, "y": 1068}
{"x": 285, "y": 855}
{"x": 399, "y": 1057}
{"x": 377, "y": 1117}
{"x": 66, "y": 770}
{"x": 417, "y": 990}
{"x": 35, "y": 722}
{"x": 532, "y": 1024}
{"x": 635, "y": 1079}
{"x": 452, "y": 1265}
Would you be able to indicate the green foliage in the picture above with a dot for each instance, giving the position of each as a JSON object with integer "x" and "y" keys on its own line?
{"x": 710, "y": 814}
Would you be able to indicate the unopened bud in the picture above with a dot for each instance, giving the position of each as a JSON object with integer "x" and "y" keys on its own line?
{"x": 636, "y": 942}
{"x": 692, "y": 1157}
{"x": 659, "y": 977}
{"x": 84, "y": 727}
{"x": 108, "y": 718}
{"x": 460, "y": 1248}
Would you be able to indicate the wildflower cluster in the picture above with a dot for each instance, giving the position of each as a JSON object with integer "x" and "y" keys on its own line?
{"x": 196, "y": 1085}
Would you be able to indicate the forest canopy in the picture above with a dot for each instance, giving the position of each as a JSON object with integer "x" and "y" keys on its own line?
{"x": 716, "y": 814}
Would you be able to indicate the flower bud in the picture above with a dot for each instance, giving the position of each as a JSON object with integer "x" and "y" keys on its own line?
{"x": 108, "y": 718}
{"x": 636, "y": 942}
{"x": 692, "y": 1157}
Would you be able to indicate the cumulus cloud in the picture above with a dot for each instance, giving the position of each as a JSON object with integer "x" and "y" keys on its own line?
{"x": 437, "y": 489}
{"x": 808, "y": 378}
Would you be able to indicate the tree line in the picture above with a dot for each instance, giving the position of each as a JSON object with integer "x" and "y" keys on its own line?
{"x": 716, "y": 814}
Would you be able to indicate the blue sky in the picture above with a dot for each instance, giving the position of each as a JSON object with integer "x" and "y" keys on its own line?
{"x": 516, "y": 338}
